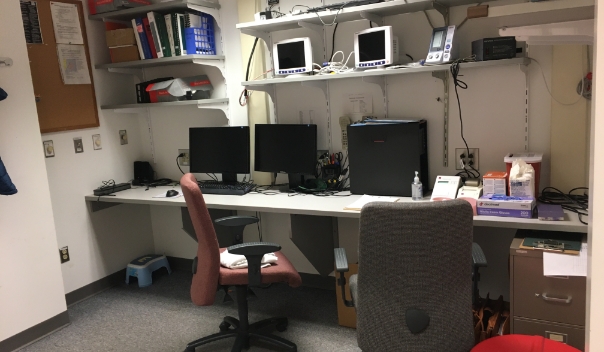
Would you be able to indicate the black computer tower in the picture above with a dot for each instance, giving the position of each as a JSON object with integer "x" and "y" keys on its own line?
{"x": 384, "y": 156}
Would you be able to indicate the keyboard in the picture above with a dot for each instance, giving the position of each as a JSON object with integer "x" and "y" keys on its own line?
{"x": 235, "y": 189}
{"x": 340, "y": 5}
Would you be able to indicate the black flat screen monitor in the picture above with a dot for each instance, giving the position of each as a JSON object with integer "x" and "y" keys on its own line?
{"x": 224, "y": 150}
{"x": 291, "y": 55}
{"x": 286, "y": 148}
{"x": 372, "y": 46}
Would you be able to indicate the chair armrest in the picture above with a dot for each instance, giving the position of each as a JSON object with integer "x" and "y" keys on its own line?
{"x": 478, "y": 257}
{"x": 342, "y": 267}
{"x": 341, "y": 260}
{"x": 253, "y": 252}
{"x": 236, "y": 220}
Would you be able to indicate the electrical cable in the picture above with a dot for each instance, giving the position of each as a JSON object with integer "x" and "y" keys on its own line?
{"x": 177, "y": 164}
{"x": 259, "y": 227}
{"x": 550, "y": 91}
{"x": 333, "y": 66}
{"x": 333, "y": 40}
{"x": 244, "y": 94}
{"x": 576, "y": 203}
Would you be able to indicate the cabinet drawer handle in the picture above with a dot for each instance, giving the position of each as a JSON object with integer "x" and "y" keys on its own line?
{"x": 557, "y": 300}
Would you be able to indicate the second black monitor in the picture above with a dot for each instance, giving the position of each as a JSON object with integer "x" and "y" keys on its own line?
{"x": 286, "y": 148}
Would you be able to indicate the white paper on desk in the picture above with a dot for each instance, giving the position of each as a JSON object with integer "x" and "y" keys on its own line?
{"x": 73, "y": 65}
{"x": 163, "y": 195}
{"x": 66, "y": 23}
{"x": 359, "y": 203}
{"x": 558, "y": 264}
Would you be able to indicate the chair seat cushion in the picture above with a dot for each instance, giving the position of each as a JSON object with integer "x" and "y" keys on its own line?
{"x": 522, "y": 343}
{"x": 282, "y": 271}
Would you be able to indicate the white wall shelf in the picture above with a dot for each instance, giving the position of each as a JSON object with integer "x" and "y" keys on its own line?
{"x": 572, "y": 32}
{"x": 135, "y": 67}
{"x": 372, "y": 11}
{"x": 215, "y": 104}
{"x": 262, "y": 84}
{"x": 211, "y": 8}
{"x": 543, "y": 12}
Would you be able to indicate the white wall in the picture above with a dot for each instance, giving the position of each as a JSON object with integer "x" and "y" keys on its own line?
{"x": 104, "y": 242}
{"x": 31, "y": 286}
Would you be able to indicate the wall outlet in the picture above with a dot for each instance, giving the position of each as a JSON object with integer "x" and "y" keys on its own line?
{"x": 64, "y": 253}
{"x": 184, "y": 160}
{"x": 78, "y": 146}
{"x": 461, "y": 154}
{"x": 123, "y": 137}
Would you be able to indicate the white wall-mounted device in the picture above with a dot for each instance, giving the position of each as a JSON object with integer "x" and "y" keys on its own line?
{"x": 375, "y": 47}
{"x": 445, "y": 187}
{"x": 292, "y": 56}
{"x": 443, "y": 47}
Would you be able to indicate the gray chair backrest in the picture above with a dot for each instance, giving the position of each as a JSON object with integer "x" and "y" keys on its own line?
{"x": 415, "y": 256}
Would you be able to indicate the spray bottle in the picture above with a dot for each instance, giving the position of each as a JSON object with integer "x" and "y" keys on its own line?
{"x": 416, "y": 188}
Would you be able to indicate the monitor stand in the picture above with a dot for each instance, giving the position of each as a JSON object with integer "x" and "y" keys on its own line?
{"x": 294, "y": 181}
{"x": 229, "y": 178}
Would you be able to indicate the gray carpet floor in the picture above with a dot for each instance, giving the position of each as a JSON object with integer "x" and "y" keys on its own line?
{"x": 162, "y": 318}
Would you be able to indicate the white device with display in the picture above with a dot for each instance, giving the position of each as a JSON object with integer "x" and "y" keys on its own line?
{"x": 292, "y": 56}
{"x": 445, "y": 187}
{"x": 443, "y": 47}
{"x": 375, "y": 47}
{"x": 473, "y": 192}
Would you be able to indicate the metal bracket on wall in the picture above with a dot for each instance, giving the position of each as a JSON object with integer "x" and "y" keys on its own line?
{"x": 377, "y": 19}
{"x": 381, "y": 82}
{"x": 443, "y": 10}
{"x": 218, "y": 64}
{"x": 266, "y": 36}
{"x": 268, "y": 89}
{"x": 524, "y": 69}
{"x": 315, "y": 27}
{"x": 444, "y": 77}
{"x": 6, "y": 61}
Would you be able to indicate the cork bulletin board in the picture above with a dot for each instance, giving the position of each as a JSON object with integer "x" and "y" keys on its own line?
{"x": 61, "y": 106}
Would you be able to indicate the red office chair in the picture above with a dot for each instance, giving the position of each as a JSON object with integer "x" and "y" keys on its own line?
{"x": 522, "y": 343}
{"x": 208, "y": 275}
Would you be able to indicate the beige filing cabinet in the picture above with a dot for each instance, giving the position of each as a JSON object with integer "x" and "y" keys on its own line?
{"x": 553, "y": 307}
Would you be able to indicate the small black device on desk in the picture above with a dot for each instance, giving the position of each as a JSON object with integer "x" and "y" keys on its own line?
{"x": 217, "y": 187}
{"x": 171, "y": 193}
{"x": 111, "y": 188}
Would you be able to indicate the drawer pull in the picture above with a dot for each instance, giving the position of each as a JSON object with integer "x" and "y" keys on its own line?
{"x": 557, "y": 300}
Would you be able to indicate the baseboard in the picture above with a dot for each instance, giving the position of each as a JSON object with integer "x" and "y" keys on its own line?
{"x": 35, "y": 333}
{"x": 96, "y": 287}
{"x": 308, "y": 280}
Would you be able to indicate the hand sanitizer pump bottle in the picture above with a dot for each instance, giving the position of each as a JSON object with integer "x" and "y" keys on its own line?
{"x": 416, "y": 188}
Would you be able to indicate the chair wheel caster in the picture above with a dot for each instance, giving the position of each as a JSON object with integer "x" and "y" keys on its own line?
{"x": 281, "y": 327}
{"x": 224, "y": 326}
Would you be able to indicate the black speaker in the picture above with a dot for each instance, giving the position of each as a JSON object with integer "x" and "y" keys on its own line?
{"x": 143, "y": 173}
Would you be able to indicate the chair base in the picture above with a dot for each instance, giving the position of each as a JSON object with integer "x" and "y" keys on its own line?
{"x": 231, "y": 327}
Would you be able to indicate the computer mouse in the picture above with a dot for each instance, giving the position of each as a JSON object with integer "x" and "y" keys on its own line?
{"x": 172, "y": 193}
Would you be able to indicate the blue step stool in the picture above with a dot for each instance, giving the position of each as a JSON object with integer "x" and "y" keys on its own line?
{"x": 142, "y": 267}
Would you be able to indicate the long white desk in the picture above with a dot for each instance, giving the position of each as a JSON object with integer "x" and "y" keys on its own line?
{"x": 308, "y": 205}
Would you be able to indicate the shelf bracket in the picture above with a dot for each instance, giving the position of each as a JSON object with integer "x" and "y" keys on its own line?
{"x": 444, "y": 77}
{"x": 210, "y": 11}
{"x": 216, "y": 106}
{"x": 317, "y": 84}
{"x": 379, "y": 80}
{"x": 219, "y": 64}
{"x": 443, "y": 10}
{"x": 379, "y": 20}
{"x": 315, "y": 27}
{"x": 258, "y": 34}
{"x": 128, "y": 71}
{"x": 268, "y": 89}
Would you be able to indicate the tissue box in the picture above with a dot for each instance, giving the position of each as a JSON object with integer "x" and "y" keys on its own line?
{"x": 188, "y": 88}
{"x": 515, "y": 207}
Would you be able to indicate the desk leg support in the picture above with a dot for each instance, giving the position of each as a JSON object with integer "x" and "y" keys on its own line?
{"x": 316, "y": 237}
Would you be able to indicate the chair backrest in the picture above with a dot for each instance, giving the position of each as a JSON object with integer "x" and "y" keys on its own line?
{"x": 415, "y": 256}
{"x": 205, "y": 280}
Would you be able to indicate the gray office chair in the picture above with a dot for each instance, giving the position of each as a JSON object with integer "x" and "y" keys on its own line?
{"x": 414, "y": 288}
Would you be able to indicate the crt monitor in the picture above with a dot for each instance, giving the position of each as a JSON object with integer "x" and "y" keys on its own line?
{"x": 292, "y": 56}
{"x": 286, "y": 148}
{"x": 224, "y": 150}
{"x": 375, "y": 47}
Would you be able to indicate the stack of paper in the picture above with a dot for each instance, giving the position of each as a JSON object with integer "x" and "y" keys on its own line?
{"x": 359, "y": 203}
{"x": 559, "y": 264}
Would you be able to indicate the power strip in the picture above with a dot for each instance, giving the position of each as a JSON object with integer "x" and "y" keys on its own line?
{"x": 105, "y": 190}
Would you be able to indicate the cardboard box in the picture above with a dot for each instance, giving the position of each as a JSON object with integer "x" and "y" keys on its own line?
{"x": 113, "y": 5}
{"x": 347, "y": 316}
{"x": 187, "y": 88}
{"x": 120, "y": 37}
{"x": 124, "y": 53}
{"x": 515, "y": 207}
{"x": 494, "y": 182}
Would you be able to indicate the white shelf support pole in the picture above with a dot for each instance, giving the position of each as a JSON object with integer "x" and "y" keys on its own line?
{"x": 317, "y": 84}
{"x": 444, "y": 77}
{"x": 128, "y": 71}
{"x": 379, "y": 20}
{"x": 524, "y": 69}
